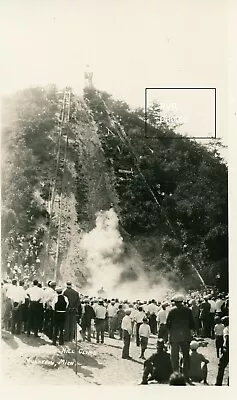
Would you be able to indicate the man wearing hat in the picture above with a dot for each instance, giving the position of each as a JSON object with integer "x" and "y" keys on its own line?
{"x": 158, "y": 366}
{"x": 35, "y": 294}
{"x": 127, "y": 332}
{"x": 161, "y": 321}
{"x": 49, "y": 295}
{"x": 17, "y": 296}
{"x": 180, "y": 323}
{"x": 120, "y": 315}
{"x": 112, "y": 310}
{"x": 205, "y": 308}
{"x": 74, "y": 311}
{"x": 152, "y": 312}
{"x": 59, "y": 306}
{"x": 100, "y": 314}
{"x": 87, "y": 315}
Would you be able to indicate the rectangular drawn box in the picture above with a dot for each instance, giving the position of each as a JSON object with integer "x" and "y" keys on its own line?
{"x": 179, "y": 136}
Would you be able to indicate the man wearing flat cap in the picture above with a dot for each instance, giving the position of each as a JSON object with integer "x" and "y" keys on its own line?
{"x": 180, "y": 323}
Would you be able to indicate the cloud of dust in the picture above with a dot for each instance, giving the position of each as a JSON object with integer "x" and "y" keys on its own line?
{"x": 104, "y": 254}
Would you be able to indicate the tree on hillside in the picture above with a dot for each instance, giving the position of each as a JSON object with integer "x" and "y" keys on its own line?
{"x": 188, "y": 181}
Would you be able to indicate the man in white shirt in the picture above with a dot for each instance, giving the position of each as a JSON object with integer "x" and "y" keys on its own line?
{"x": 127, "y": 331}
{"x": 152, "y": 311}
{"x": 35, "y": 294}
{"x": 161, "y": 321}
{"x": 144, "y": 334}
{"x": 219, "y": 303}
{"x": 132, "y": 315}
{"x": 49, "y": 296}
{"x": 100, "y": 314}
{"x": 212, "y": 315}
{"x": 16, "y": 293}
{"x": 138, "y": 317}
{"x": 17, "y": 296}
{"x": 112, "y": 312}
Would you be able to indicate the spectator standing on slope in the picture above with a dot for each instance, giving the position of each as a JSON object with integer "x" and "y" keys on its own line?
{"x": 35, "y": 294}
{"x": 219, "y": 338}
{"x": 100, "y": 315}
{"x": 120, "y": 315}
{"x": 59, "y": 306}
{"x": 49, "y": 295}
{"x": 180, "y": 325}
{"x": 224, "y": 359}
{"x": 144, "y": 334}
{"x": 127, "y": 332}
{"x": 205, "y": 317}
{"x": 87, "y": 316}
{"x": 72, "y": 313}
{"x": 219, "y": 303}
{"x": 152, "y": 312}
{"x": 17, "y": 295}
{"x": 112, "y": 312}
{"x": 195, "y": 312}
{"x": 138, "y": 318}
{"x": 212, "y": 315}
{"x": 161, "y": 322}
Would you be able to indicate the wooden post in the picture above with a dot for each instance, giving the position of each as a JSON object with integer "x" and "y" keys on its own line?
{"x": 76, "y": 346}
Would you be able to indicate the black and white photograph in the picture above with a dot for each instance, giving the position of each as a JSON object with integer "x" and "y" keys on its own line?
{"x": 114, "y": 193}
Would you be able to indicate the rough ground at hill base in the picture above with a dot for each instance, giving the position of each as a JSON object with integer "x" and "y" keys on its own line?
{"x": 25, "y": 361}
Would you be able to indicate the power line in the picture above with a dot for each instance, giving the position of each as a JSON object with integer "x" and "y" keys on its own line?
{"x": 123, "y": 137}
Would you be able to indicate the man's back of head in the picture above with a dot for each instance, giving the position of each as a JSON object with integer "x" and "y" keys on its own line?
{"x": 177, "y": 379}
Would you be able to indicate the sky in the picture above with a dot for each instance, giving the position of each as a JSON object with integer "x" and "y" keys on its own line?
{"x": 129, "y": 45}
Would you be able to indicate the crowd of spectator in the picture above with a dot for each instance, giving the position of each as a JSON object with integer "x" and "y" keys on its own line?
{"x": 23, "y": 258}
{"x": 178, "y": 322}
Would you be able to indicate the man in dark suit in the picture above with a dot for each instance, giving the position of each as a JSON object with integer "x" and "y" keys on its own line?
{"x": 87, "y": 316}
{"x": 180, "y": 324}
{"x": 158, "y": 365}
{"x": 73, "y": 312}
{"x": 59, "y": 306}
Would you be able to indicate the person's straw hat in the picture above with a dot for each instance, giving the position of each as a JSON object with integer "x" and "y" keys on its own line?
{"x": 193, "y": 345}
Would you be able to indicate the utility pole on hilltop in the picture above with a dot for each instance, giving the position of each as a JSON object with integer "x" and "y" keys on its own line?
{"x": 88, "y": 75}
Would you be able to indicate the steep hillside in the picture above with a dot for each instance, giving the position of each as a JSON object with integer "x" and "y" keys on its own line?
{"x": 103, "y": 204}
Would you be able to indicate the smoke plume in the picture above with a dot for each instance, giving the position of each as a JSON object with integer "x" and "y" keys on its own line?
{"x": 105, "y": 258}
